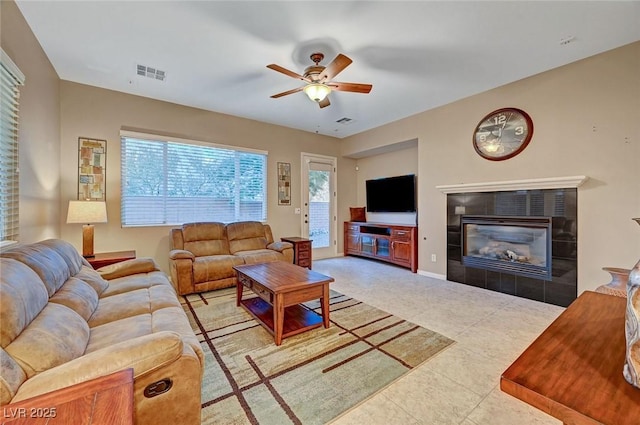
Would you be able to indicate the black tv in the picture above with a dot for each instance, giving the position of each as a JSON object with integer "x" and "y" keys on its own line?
{"x": 392, "y": 194}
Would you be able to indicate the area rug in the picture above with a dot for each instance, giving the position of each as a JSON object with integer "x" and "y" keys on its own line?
{"x": 312, "y": 377}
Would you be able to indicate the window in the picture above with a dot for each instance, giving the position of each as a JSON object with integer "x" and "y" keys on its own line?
{"x": 10, "y": 79}
{"x": 172, "y": 181}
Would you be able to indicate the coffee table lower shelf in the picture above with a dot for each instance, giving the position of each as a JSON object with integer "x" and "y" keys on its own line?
{"x": 297, "y": 318}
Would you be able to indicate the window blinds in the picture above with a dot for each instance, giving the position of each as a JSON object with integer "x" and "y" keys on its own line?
{"x": 10, "y": 80}
{"x": 166, "y": 182}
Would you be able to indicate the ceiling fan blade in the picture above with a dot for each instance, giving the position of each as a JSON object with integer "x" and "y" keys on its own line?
{"x": 324, "y": 102}
{"x": 335, "y": 67}
{"x": 284, "y": 93}
{"x": 352, "y": 87}
{"x": 285, "y": 71}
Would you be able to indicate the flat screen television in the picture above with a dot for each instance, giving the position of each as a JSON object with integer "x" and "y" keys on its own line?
{"x": 392, "y": 194}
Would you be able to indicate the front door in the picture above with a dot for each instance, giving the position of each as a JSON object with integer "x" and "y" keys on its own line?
{"x": 319, "y": 215}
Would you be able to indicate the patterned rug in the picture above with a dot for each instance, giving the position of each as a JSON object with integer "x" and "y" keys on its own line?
{"x": 312, "y": 377}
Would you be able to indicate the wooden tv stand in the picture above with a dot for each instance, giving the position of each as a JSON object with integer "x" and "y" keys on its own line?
{"x": 394, "y": 243}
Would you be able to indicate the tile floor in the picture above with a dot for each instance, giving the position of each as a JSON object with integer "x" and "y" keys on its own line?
{"x": 461, "y": 384}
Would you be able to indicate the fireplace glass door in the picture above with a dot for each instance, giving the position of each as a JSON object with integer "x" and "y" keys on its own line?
{"x": 518, "y": 245}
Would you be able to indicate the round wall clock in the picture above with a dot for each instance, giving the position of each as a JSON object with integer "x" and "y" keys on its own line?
{"x": 503, "y": 134}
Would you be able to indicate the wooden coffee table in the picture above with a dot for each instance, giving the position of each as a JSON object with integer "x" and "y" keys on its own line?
{"x": 281, "y": 287}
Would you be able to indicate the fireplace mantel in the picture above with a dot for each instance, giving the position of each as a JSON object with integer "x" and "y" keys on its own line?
{"x": 528, "y": 184}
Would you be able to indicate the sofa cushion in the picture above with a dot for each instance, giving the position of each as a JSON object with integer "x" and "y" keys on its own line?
{"x": 90, "y": 276}
{"x": 144, "y": 354}
{"x": 260, "y": 256}
{"x": 68, "y": 252}
{"x": 128, "y": 268}
{"x": 22, "y": 297}
{"x": 79, "y": 296}
{"x": 280, "y": 246}
{"x": 56, "y": 336}
{"x": 166, "y": 319}
{"x": 206, "y": 269}
{"x": 119, "y": 330}
{"x": 246, "y": 236}
{"x": 11, "y": 379}
{"x": 45, "y": 261}
{"x": 135, "y": 282}
{"x": 133, "y": 303}
{"x": 205, "y": 239}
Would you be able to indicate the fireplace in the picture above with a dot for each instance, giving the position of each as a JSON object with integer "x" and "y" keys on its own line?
{"x": 516, "y": 245}
{"x": 520, "y": 242}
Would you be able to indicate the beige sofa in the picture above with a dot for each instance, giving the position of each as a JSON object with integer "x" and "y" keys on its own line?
{"x": 64, "y": 323}
{"x": 202, "y": 255}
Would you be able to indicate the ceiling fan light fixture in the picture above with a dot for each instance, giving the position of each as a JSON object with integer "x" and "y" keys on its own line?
{"x": 317, "y": 92}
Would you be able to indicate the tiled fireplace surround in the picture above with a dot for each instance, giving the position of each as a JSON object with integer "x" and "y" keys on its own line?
{"x": 549, "y": 197}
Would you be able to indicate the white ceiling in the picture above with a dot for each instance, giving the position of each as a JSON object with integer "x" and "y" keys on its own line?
{"x": 418, "y": 55}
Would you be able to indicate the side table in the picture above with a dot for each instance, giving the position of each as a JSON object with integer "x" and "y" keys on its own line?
{"x": 301, "y": 250}
{"x": 107, "y": 400}
{"x": 108, "y": 258}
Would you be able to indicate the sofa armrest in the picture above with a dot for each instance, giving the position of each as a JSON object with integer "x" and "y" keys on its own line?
{"x": 143, "y": 354}
{"x": 180, "y": 254}
{"x": 127, "y": 268}
{"x": 280, "y": 246}
{"x": 181, "y": 271}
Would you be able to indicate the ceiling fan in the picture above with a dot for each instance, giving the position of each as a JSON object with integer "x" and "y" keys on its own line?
{"x": 318, "y": 79}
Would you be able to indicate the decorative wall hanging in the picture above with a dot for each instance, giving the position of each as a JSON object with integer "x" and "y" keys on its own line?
{"x": 92, "y": 166}
{"x": 503, "y": 134}
{"x": 284, "y": 183}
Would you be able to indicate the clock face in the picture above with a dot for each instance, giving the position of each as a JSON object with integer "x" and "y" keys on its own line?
{"x": 503, "y": 134}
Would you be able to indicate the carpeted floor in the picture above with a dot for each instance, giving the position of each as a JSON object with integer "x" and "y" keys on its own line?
{"x": 312, "y": 377}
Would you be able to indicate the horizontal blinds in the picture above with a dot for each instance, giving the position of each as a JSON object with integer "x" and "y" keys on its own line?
{"x": 166, "y": 182}
{"x": 10, "y": 80}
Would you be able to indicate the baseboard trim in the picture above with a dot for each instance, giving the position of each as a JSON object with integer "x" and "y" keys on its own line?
{"x": 433, "y": 275}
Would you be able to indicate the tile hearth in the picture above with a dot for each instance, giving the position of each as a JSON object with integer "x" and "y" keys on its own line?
{"x": 461, "y": 384}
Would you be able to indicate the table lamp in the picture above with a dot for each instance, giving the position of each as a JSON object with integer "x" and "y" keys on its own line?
{"x": 87, "y": 213}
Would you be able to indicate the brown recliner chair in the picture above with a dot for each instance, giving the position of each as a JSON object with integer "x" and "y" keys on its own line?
{"x": 203, "y": 254}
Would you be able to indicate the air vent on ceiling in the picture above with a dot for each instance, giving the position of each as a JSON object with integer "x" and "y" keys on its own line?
{"x": 147, "y": 71}
{"x": 344, "y": 121}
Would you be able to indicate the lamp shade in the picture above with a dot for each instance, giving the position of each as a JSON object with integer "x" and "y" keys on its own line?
{"x": 317, "y": 92}
{"x": 87, "y": 212}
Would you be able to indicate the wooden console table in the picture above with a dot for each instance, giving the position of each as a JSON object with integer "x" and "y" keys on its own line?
{"x": 573, "y": 371}
{"x": 107, "y": 400}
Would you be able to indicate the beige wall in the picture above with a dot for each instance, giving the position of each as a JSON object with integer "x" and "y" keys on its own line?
{"x": 396, "y": 163}
{"x": 97, "y": 113}
{"x": 39, "y": 132}
{"x": 587, "y": 122}
{"x": 586, "y": 117}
